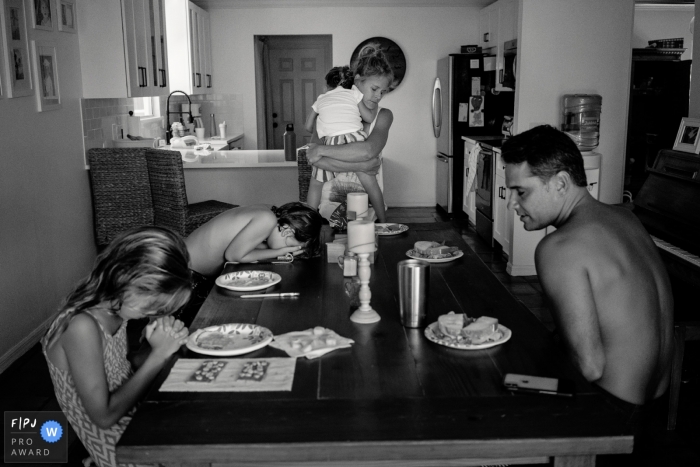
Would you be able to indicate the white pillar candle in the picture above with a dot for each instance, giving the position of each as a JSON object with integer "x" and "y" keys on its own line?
{"x": 361, "y": 236}
{"x": 359, "y": 203}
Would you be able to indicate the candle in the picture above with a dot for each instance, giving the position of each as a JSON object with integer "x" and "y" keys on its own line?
{"x": 359, "y": 203}
{"x": 361, "y": 236}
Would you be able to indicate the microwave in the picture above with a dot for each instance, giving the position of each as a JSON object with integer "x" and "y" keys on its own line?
{"x": 507, "y": 74}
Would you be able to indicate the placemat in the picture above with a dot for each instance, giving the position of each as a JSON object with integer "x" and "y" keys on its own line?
{"x": 235, "y": 375}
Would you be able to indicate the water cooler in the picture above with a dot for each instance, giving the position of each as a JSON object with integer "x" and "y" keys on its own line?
{"x": 581, "y": 121}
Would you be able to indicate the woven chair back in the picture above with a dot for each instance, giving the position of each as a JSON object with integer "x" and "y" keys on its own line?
{"x": 121, "y": 192}
{"x": 304, "y": 174}
{"x": 168, "y": 189}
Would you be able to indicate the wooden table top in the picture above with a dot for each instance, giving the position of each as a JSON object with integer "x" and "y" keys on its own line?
{"x": 394, "y": 397}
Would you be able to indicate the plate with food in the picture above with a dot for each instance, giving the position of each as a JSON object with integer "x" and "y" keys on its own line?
{"x": 390, "y": 229}
{"x": 229, "y": 339}
{"x": 245, "y": 281}
{"x": 458, "y": 332}
{"x": 434, "y": 252}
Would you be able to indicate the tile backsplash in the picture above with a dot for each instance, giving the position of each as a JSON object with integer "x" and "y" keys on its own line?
{"x": 102, "y": 116}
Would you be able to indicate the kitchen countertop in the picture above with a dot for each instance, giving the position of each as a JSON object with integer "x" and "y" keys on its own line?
{"x": 216, "y": 144}
{"x": 236, "y": 159}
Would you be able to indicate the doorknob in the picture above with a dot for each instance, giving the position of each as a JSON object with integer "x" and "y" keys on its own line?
{"x": 274, "y": 114}
{"x": 274, "y": 125}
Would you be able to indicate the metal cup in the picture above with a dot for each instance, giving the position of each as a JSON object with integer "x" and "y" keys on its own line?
{"x": 414, "y": 282}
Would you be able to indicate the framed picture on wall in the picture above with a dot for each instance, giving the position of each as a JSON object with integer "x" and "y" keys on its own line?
{"x": 67, "y": 20}
{"x": 688, "y": 138}
{"x": 15, "y": 49}
{"x": 46, "y": 75}
{"x": 43, "y": 14}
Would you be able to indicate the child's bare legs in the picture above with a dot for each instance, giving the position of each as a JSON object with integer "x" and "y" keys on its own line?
{"x": 313, "y": 197}
{"x": 376, "y": 197}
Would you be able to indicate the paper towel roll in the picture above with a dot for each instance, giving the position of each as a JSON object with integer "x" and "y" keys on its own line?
{"x": 133, "y": 126}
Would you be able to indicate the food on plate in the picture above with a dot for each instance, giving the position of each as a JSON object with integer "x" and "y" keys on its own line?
{"x": 216, "y": 340}
{"x": 481, "y": 330}
{"x": 451, "y": 324}
{"x": 207, "y": 371}
{"x": 388, "y": 228}
{"x": 434, "y": 250}
{"x": 254, "y": 370}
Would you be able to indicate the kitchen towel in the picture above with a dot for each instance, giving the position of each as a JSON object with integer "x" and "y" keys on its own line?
{"x": 472, "y": 163}
{"x": 230, "y": 375}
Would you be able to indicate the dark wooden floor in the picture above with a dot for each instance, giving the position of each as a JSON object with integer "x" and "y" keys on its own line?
{"x": 26, "y": 385}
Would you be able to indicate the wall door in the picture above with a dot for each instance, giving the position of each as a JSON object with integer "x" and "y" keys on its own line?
{"x": 296, "y": 66}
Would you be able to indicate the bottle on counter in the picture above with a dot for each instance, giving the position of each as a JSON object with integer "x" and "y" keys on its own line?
{"x": 212, "y": 130}
{"x": 290, "y": 143}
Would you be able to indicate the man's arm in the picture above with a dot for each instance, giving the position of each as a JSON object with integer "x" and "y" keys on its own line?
{"x": 566, "y": 283}
{"x": 353, "y": 152}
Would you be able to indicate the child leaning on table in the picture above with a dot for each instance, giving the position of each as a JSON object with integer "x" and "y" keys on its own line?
{"x": 142, "y": 273}
{"x": 251, "y": 233}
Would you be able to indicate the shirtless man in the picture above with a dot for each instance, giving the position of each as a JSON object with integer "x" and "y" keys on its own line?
{"x": 602, "y": 273}
{"x": 251, "y": 233}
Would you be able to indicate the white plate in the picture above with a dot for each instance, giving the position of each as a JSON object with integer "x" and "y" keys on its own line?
{"x": 402, "y": 228}
{"x": 433, "y": 334}
{"x": 239, "y": 338}
{"x": 413, "y": 254}
{"x": 246, "y": 281}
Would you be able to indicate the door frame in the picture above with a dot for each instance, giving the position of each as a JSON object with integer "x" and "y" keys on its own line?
{"x": 263, "y": 87}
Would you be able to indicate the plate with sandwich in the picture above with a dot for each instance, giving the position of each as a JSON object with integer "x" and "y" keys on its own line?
{"x": 390, "y": 229}
{"x": 229, "y": 339}
{"x": 434, "y": 252}
{"x": 246, "y": 281}
{"x": 458, "y": 332}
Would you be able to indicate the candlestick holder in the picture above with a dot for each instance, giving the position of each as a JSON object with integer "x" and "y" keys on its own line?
{"x": 365, "y": 314}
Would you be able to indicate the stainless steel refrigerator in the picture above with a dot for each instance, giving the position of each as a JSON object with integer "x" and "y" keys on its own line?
{"x": 460, "y": 107}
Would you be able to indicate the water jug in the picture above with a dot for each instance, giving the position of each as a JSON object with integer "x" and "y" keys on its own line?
{"x": 290, "y": 143}
{"x": 581, "y": 119}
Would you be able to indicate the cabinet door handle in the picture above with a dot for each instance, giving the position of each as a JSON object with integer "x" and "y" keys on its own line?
{"x": 199, "y": 80}
{"x": 500, "y": 76}
{"x": 162, "y": 78}
{"x": 486, "y": 36}
{"x": 143, "y": 77}
{"x": 208, "y": 81}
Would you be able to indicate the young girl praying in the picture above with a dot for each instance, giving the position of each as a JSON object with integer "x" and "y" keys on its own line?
{"x": 142, "y": 273}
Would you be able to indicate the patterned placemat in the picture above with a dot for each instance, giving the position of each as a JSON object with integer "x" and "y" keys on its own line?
{"x": 230, "y": 375}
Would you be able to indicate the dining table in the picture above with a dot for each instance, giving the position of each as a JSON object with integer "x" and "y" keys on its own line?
{"x": 393, "y": 397}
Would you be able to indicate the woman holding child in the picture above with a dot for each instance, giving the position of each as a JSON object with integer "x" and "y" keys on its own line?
{"x": 373, "y": 76}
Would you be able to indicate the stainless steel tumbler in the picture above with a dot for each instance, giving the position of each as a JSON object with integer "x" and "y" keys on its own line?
{"x": 414, "y": 285}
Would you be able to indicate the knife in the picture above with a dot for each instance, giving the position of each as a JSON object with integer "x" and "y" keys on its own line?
{"x": 271, "y": 295}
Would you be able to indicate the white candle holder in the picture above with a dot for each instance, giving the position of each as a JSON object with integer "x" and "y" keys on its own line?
{"x": 365, "y": 314}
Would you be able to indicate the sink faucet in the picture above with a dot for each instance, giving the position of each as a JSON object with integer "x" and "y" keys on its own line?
{"x": 169, "y": 132}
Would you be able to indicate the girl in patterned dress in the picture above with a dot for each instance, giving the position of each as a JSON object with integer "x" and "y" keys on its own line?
{"x": 142, "y": 273}
{"x": 339, "y": 114}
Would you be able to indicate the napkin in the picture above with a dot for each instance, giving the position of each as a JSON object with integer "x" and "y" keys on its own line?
{"x": 311, "y": 343}
{"x": 234, "y": 375}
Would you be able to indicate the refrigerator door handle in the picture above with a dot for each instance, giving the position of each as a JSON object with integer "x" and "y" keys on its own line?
{"x": 437, "y": 108}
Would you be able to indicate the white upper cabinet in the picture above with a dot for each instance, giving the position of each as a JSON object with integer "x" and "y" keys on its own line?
{"x": 125, "y": 57}
{"x": 189, "y": 46}
{"x": 498, "y": 23}
{"x": 488, "y": 26}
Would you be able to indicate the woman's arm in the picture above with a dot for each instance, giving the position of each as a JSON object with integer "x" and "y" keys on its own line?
{"x": 350, "y": 156}
{"x": 244, "y": 246}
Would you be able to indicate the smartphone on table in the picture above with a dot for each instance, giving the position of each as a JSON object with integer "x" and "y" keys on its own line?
{"x": 539, "y": 385}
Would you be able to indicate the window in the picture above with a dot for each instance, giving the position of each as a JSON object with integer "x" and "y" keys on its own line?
{"x": 147, "y": 106}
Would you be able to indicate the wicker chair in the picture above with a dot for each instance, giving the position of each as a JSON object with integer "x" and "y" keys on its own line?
{"x": 304, "y": 173}
{"x": 121, "y": 191}
{"x": 170, "y": 198}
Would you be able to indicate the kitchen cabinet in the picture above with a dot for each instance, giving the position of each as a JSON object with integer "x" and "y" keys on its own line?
{"x": 190, "y": 54}
{"x": 498, "y": 23}
{"x": 126, "y": 58}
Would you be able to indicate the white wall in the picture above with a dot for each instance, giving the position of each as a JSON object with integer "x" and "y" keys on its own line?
{"x": 575, "y": 47}
{"x": 46, "y": 240}
{"x": 424, "y": 34}
{"x": 663, "y": 22}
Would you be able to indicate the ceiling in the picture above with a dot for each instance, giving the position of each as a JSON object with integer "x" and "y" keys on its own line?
{"x": 214, "y": 4}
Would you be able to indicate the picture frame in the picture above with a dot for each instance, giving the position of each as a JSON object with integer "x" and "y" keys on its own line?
{"x": 15, "y": 49}
{"x": 45, "y": 62}
{"x": 43, "y": 15}
{"x": 66, "y": 17}
{"x": 688, "y": 138}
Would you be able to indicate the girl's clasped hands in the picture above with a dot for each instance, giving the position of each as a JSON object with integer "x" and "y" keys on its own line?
{"x": 166, "y": 334}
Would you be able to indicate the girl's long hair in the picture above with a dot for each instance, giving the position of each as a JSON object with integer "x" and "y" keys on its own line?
{"x": 146, "y": 261}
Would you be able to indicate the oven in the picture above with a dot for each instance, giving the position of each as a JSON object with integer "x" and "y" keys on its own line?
{"x": 510, "y": 59}
{"x": 484, "y": 193}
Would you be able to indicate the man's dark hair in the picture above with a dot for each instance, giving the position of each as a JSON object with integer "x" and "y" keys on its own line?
{"x": 547, "y": 151}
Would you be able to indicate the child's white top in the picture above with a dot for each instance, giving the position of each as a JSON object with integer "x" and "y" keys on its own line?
{"x": 337, "y": 112}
